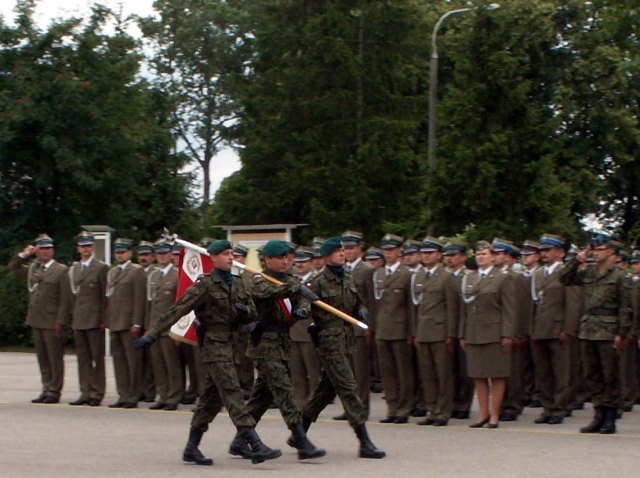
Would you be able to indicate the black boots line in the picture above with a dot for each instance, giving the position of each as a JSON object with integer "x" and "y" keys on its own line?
{"x": 252, "y": 446}
{"x": 604, "y": 421}
{"x": 191, "y": 453}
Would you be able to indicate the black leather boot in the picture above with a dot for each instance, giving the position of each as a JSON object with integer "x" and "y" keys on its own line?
{"x": 596, "y": 423}
{"x": 306, "y": 424}
{"x": 191, "y": 453}
{"x": 240, "y": 447}
{"x": 609, "y": 423}
{"x": 367, "y": 448}
{"x": 259, "y": 451}
{"x": 305, "y": 448}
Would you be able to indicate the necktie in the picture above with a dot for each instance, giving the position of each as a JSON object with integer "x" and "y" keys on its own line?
{"x": 389, "y": 271}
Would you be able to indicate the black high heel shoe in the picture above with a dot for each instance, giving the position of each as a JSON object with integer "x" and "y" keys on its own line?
{"x": 492, "y": 425}
{"x": 480, "y": 424}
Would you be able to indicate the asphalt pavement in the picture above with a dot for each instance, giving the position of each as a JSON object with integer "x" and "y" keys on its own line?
{"x": 66, "y": 441}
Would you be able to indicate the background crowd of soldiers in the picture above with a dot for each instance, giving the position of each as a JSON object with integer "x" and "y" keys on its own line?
{"x": 566, "y": 330}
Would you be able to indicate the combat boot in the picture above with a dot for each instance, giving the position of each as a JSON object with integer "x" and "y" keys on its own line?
{"x": 240, "y": 447}
{"x": 191, "y": 453}
{"x": 609, "y": 423}
{"x": 367, "y": 448}
{"x": 305, "y": 448}
{"x": 596, "y": 423}
{"x": 306, "y": 424}
{"x": 259, "y": 451}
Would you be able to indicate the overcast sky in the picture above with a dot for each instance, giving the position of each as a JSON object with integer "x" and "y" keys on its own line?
{"x": 225, "y": 163}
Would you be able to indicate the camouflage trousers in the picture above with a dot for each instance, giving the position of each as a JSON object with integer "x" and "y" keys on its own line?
{"x": 337, "y": 378}
{"x": 221, "y": 387}
{"x": 602, "y": 372}
{"x": 273, "y": 385}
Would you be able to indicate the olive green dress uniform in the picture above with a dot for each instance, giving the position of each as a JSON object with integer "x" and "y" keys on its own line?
{"x": 162, "y": 287}
{"x": 488, "y": 314}
{"x": 88, "y": 284}
{"x": 607, "y": 314}
{"x": 393, "y": 311}
{"x": 126, "y": 306}
{"x": 145, "y": 366}
{"x": 557, "y": 311}
{"x": 629, "y": 358}
{"x": 435, "y": 321}
{"x": 215, "y": 302}
{"x": 49, "y": 304}
{"x": 271, "y": 354}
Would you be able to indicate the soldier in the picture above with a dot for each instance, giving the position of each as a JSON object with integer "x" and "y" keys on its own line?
{"x": 361, "y": 272}
{"x": 375, "y": 258}
{"x": 434, "y": 295}
{"x": 243, "y": 363}
{"x": 126, "y": 311}
{"x": 334, "y": 340}
{"x": 88, "y": 283}
{"x": 47, "y": 313}
{"x": 603, "y": 328}
{"x": 303, "y": 363}
{"x": 162, "y": 287}
{"x": 555, "y": 325}
{"x": 221, "y": 304}
{"x": 634, "y": 278}
{"x": 147, "y": 259}
{"x": 318, "y": 261}
{"x": 393, "y": 331}
{"x": 278, "y": 307}
{"x": 530, "y": 255}
{"x": 455, "y": 258}
{"x": 411, "y": 256}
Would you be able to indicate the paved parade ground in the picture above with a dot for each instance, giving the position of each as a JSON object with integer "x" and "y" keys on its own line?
{"x": 64, "y": 441}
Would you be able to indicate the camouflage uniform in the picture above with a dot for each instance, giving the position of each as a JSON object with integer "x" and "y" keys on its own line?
{"x": 335, "y": 341}
{"x": 607, "y": 315}
{"x": 215, "y": 304}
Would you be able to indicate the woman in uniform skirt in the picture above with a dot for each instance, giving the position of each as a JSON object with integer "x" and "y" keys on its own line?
{"x": 487, "y": 317}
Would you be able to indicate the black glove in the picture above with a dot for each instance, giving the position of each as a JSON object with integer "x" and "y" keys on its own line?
{"x": 240, "y": 306}
{"x": 363, "y": 315}
{"x": 300, "y": 314}
{"x": 313, "y": 333}
{"x": 308, "y": 293}
{"x": 256, "y": 334}
{"x": 250, "y": 327}
{"x": 143, "y": 342}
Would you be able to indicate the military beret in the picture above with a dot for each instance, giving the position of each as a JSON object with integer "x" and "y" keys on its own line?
{"x": 410, "y": 247}
{"x": 122, "y": 244}
{"x": 351, "y": 238}
{"x": 547, "y": 241}
{"x": 303, "y": 254}
{"x": 530, "y": 247}
{"x": 44, "y": 241}
{"x": 216, "y": 247}
{"x": 85, "y": 238}
{"x": 502, "y": 245}
{"x": 330, "y": 245}
{"x": 390, "y": 241}
{"x": 240, "y": 250}
{"x": 162, "y": 247}
{"x": 455, "y": 246}
{"x": 431, "y": 244}
{"x": 374, "y": 253}
{"x": 276, "y": 249}
{"x": 146, "y": 247}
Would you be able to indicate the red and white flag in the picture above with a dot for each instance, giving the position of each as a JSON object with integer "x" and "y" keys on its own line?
{"x": 192, "y": 265}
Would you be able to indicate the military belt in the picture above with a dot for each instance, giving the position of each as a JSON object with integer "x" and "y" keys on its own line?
{"x": 602, "y": 311}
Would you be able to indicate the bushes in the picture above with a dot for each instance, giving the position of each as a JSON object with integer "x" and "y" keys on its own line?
{"x": 13, "y": 310}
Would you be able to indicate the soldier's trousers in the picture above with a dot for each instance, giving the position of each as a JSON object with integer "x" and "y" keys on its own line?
{"x": 305, "y": 371}
{"x": 221, "y": 387}
{"x": 628, "y": 373}
{"x": 360, "y": 362}
{"x": 167, "y": 372}
{"x": 464, "y": 386}
{"x": 126, "y": 364}
{"x": 436, "y": 372}
{"x": 397, "y": 371}
{"x": 553, "y": 375}
{"x": 191, "y": 366}
{"x": 244, "y": 364}
{"x": 602, "y": 372}
{"x": 90, "y": 347}
{"x": 336, "y": 377}
{"x": 273, "y": 384}
{"x": 50, "y": 353}
{"x": 514, "y": 398}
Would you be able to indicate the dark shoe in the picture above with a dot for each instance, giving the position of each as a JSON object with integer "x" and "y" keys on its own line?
{"x": 535, "y": 404}
{"x": 80, "y": 401}
{"x": 376, "y": 388}
{"x": 188, "y": 401}
{"x": 627, "y": 408}
{"x": 596, "y": 423}
{"x": 367, "y": 448}
{"x": 388, "y": 420}
{"x": 460, "y": 415}
{"x": 579, "y": 406}
{"x": 508, "y": 417}
{"x": 147, "y": 399}
{"x": 191, "y": 453}
{"x": 492, "y": 425}
{"x": 618, "y": 413}
{"x": 129, "y": 405}
{"x": 259, "y": 451}
{"x": 39, "y": 399}
{"x": 116, "y": 405}
{"x": 306, "y": 449}
{"x": 480, "y": 424}
{"x": 157, "y": 406}
{"x": 171, "y": 407}
{"x": 555, "y": 420}
{"x": 609, "y": 423}
{"x": 542, "y": 419}
{"x": 427, "y": 421}
{"x": 341, "y": 417}
{"x": 418, "y": 412}
{"x": 401, "y": 420}
{"x": 49, "y": 399}
{"x": 240, "y": 447}
{"x": 439, "y": 422}
{"x": 94, "y": 402}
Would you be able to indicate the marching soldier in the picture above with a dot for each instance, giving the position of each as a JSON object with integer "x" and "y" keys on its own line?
{"x": 334, "y": 340}
{"x": 47, "y": 313}
{"x": 221, "y": 304}
{"x": 126, "y": 310}
{"x": 88, "y": 283}
{"x": 603, "y": 328}
{"x": 243, "y": 363}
